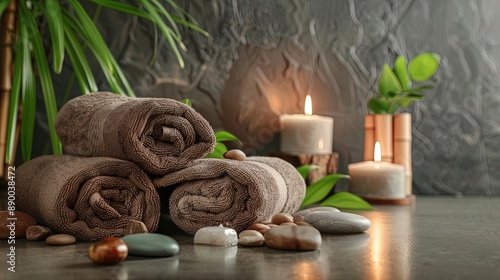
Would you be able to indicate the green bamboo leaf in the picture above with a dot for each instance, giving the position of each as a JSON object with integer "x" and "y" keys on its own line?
{"x": 3, "y": 6}
{"x": 218, "y": 152}
{"x": 379, "y": 105}
{"x": 45, "y": 78}
{"x": 87, "y": 28}
{"x": 388, "y": 82}
{"x": 223, "y": 135}
{"x": 167, "y": 15}
{"x": 53, "y": 13}
{"x": 304, "y": 170}
{"x": 21, "y": 49}
{"x": 318, "y": 190}
{"x": 167, "y": 32}
{"x": 347, "y": 200}
{"x": 28, "y": 89}
{"x": 79, "y": 60}
{"x": 122, "y": 7}
{"x": 190, "y": 25}
{"x": 406, "y": 100}
{"x": 187, "y": 102}
{"x": 423, "y": 66}
{"x": 401, "y": 72}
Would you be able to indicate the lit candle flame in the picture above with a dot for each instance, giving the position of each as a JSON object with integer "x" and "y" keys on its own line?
{"x": 308, "y": 108}
{"x": 377, "y": 155}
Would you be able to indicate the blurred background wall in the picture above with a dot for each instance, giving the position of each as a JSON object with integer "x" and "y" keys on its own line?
{"x": 264, "y": 56}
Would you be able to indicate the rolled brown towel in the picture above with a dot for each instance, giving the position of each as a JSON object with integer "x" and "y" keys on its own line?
{"x": 89, "y": 198}
{"x": 158, "y": 134}
{"x": 235, "y": 193}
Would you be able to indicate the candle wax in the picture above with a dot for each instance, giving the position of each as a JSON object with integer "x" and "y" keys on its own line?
{"x": 377, "y": 179}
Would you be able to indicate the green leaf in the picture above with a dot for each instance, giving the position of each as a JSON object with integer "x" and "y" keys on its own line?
{"x": 318, "y": 190}
{"x": 347, "y": 200}
{"x": 406, "y": 100}
{"x": 304, "y": 170}
{"x": 218, "y": 152}
{"x": 379, "y": 105}
{"x": 167, "y": 32}
{"x": 423, "y": 66}
{"x": 223, "y": 135}
{"x": 28, "y": 89}
{"x": 187, "y": 102}
{"x": 401, "y": 72}
{"x": 53, "y": 13}
{"x": 388, "y": 82}
{"x": 3, "y": 5}
{"x": 84, "y": 25}
{"x": 44, "y": 76}
{"x": 80, "y": 63}
{"x": 420, "y": 88}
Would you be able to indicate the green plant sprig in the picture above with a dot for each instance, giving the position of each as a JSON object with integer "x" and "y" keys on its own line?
{"x": 318, "y": 191}
{"x": 395, "y": 85}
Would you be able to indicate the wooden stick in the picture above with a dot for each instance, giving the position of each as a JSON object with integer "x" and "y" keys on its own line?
{"x": 383, "y": 135}
{"x": 369, "y": 140}
{"x": 402, "y": 146}
{"x": 8, "y": 32}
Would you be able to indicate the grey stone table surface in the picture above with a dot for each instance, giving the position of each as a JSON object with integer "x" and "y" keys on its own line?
{"x": 437, "y": 238}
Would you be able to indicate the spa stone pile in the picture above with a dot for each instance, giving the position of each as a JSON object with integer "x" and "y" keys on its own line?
{"x": 300, "y": 231}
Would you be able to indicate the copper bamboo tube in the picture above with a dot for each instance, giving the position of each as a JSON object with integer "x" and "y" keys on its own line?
{"x": 402, "y": 146}
{"x": 8, "y": 30}
{"x": 383, "y": 135}
{"x": 369, "y": 139}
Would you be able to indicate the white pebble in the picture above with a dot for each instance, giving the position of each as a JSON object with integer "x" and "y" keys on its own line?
{"x": 217, "y": 236}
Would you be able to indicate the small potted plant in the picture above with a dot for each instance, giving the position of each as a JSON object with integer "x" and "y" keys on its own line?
{"x": 396, "y": 90}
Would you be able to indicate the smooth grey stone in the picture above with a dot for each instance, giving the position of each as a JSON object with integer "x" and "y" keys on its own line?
{"x": 151, "y": 245}
{"x": 337, "y": 222}
{"x": 315, "y": 209}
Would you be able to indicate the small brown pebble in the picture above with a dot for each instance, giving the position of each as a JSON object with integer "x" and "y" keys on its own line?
{"x": 281, "y": 218}
{"x": 271, "y": 225}
{"x": 60, "y": 239}
{"x": 36, "y": 232}
{"x": 15, "y": 227}
{"x": 298, "y": 218}
{"x": 250, "y": 233}
{"x": 135, "y": 227}
{"x": 293, "y": 238}
{"x": 258, "y": 227}
{"x": 266, "y": 222}
{"x": 235, "y": 154}
{"x": 110, "y": 250}
{"x": 252, "y": 241}
{"x": 288, "y": 224}
{"x": 303, "y": 224}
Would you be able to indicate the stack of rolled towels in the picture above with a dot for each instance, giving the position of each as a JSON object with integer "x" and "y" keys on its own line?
{"x": 119, "y": 151}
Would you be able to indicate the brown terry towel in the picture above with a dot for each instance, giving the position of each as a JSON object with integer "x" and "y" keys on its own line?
{"x": 89, "y": 198}
{"x": 158, "y": 134}
{"x": 236, "y": 193}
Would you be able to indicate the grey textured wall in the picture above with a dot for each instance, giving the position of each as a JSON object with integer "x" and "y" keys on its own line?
{"x": 264, "y": 56}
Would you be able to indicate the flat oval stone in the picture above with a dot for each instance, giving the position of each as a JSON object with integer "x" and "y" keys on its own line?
{"x": 217, "y": 236}
{"x": 293, "y": 238}
{"x": 252, "y": 241}
{"x": 337, "y": 222}
{"x": 250, "y": 233}
{"x": 280, "y": 218}
{"x": 235, "y": 154}
{"x": 151, "y": 245}
{"x": 60, "y": 240}
{"x": 36, "y": 232}
{"x": 315, "y": 209}
{"x": 15, "y": 225}
{"x": 258, "y": 227}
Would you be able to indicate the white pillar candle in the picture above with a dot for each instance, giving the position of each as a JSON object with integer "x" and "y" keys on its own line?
{"x": 306, "y": 134}
{"x": 376, "y": 179}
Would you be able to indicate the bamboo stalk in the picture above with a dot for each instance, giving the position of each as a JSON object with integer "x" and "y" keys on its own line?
{"x": 8, "y": 29}
{"x": 383, "y": 135}
{"x": 402, "y": 146}
{"x": 369, "y": 140}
